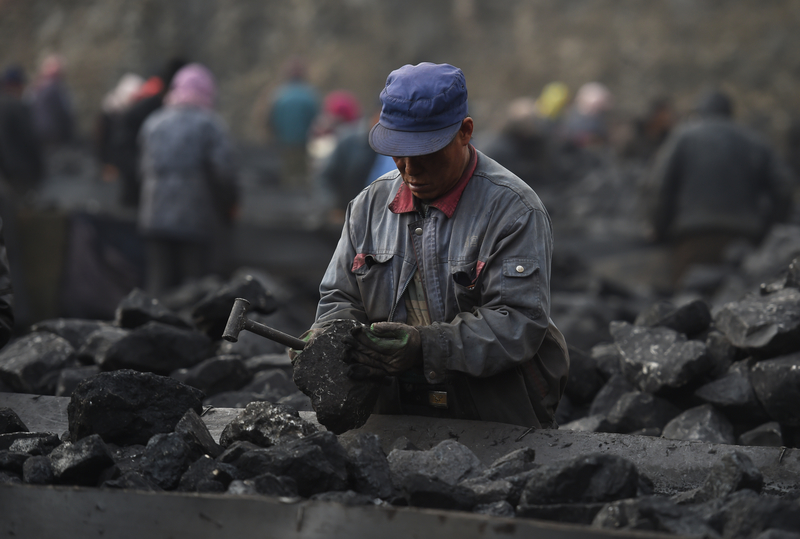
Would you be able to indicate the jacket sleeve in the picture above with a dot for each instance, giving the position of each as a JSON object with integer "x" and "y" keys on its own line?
{"x": 512, "y": 318}
{"x": 339, "y": 293}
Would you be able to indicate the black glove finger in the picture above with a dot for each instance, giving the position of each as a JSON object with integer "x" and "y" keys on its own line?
{"x": 363, "y": 372}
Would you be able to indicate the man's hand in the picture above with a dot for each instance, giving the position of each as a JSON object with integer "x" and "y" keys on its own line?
{"x": 382, "y": 349}
{"x": 307, "y": 337}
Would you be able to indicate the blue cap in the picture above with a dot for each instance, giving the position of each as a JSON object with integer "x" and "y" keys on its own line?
{"x": 422, "y": 110}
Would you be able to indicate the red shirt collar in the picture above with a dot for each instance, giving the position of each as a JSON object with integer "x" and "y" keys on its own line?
{"x": 404, "y": 200}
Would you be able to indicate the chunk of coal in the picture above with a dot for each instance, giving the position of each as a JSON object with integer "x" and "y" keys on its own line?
{"x": 402, "y": 443}
{"x": 584, "y": 378}
{"x": 347, "y": 497}
{"x": 652, "y": 513}
{"x": 7, "y": 440}
{"x": 777, "y": 386}
{"x": 733, "y": 393}
{"x": 734, "y": 471}
{"x": 196, "y": 435}
{"x": 207, "y": 475}
{"x": 574, "y": 513}
{"x": 127, "y": 458}
{"x": 139, "y": 308}
{"x": 608, "y": 396}
{"x": 166, "y": 457}
{"x": 11, "y": 461}
{"x": 42, "y": 443}
{"x": 128, "y": 407}
{"x": 607, "y": 358}
{"x": 369, "y": 466}
{"x": 74, "y": 330}
{"x": 722, "y": 351}
{"x": 233, "y": 399}
{"x": 266, "y": 484}
{"x": 38, "y": 471}
{"x": 765, "y": 326}
{"x": 26, "y": 363}
{"x": 488, "y": 491}
{"x": 69, "y": 378}
{"x": 702, "y": 423}
{"x": 10, "y": 422}
{"x": 266, "y": 362}
{"x": 433, "y": 493}
{"x": 313, "y": 462}
{"x": 94, "y": 349}
{"x": 131, "y": 480}
{"x": 273, "y": 384}
{"x": 448, "y": 461}
{"x": 266, "y": 424}
{"x": 793, "y": 274}
{"x": 211, "y": 314}
{"x": 81, "y": 463}
{"x": 9, "y": 478}
{"x": 497, "y": 509}
{"x": 766, "y": 435}
{"x": 590, "y": 423}
{"x": 320, "y": 372}
{"x": 690, "y": 319}
{"x": 636, "y": 410}
{"x": 236, "y": 450}
{"x": 298, "y": 401}
{"x": 657, "y": 358}
{"x": 215, "y": 375}
{"x": 513, "y": 463}
{"x": 746, "y": 514}
{"x": 158, "y": 348}
{"x": 584, "y": 479}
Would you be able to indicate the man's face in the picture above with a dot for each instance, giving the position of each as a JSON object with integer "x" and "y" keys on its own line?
{"x": 432, "y": 175}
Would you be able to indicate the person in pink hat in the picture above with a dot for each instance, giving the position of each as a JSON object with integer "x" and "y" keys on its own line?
{"x": 189, "y": 186}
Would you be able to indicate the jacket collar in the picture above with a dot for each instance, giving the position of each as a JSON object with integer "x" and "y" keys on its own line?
{"x": 404, "y": 200}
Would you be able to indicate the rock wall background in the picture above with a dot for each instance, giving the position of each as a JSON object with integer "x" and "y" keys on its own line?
{"x": 507, "y": 48}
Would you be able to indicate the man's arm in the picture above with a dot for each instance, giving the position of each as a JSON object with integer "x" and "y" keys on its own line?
{"x": 511, "y": 322}
{"x": 339, "y": 293}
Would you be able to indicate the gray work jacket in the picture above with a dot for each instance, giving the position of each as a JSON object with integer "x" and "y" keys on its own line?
{"x": 486, "y": 272}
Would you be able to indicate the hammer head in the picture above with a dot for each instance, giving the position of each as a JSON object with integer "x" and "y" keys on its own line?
{"x": 236, "y": 320}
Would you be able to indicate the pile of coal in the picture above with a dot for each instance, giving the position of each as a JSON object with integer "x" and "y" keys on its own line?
{"x": 320, "y": 372}
{"x": 727, "y": 374}
{"x": 269, "y": 450}
{"x": 179, "y": 337}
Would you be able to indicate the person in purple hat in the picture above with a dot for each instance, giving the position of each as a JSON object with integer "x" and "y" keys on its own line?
{"x": 446, "y": 262}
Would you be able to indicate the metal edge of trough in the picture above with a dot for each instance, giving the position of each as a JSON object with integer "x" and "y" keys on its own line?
{"x": 35, "y": 512}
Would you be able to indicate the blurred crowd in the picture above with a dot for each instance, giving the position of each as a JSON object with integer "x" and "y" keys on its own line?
{"x": 697, "y": 180}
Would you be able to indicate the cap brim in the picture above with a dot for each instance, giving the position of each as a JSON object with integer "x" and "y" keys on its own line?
{"x": 410, "y": 143}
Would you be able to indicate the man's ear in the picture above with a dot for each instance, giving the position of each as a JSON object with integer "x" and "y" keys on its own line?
{"x": 465, "y": 133}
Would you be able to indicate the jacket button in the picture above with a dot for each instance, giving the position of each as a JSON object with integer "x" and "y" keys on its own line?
{"x": 432, "y": 374}
{"x": 418, "y": 232}
{"x": 520, "y": 269}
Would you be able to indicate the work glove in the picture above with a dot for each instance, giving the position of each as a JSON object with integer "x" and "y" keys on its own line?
{"x": 382, "y": 349}
{"x": 306, "y": 337}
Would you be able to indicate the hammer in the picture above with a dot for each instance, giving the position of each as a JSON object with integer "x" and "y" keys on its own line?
{"x": 237, "y": 321}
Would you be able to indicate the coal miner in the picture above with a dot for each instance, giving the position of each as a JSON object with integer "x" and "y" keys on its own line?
{"x": 446, "y": 262}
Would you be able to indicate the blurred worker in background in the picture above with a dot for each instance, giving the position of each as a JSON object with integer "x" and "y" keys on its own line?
{"x": 586, "y": 124}
{"x": 294, "y": 107}
{"x": 650, "y": 131}
{"x": 340, "y": 112}
{"x": 52, "y": 105}
{"x": 21, "y": 163}
{"x": 446, "y": 261}
{"x": 147, "y": 99}
{"x": 110, "y": 124}
{"x": 189, "y": 191}
{"x": 717, "y": 182}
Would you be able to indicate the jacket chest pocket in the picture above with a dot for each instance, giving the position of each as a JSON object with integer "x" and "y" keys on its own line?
{"x": 375, "y": 277}
{"x": 466, "y": 286}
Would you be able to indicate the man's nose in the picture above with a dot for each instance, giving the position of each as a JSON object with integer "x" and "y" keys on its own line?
{"x": 411, "y": 165}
